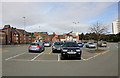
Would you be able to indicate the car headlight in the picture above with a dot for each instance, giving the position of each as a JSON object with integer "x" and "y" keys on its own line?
{"x": 78, "y": 50}
{"x": 64, "y": 50}
{"x": 78, "y": 53}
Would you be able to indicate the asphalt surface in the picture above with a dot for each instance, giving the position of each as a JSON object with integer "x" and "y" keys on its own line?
{"x": 17, "y": 61}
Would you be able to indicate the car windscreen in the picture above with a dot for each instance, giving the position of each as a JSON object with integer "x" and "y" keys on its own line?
{"x": 104, "y": 43}
{"x": 70, "y": 44}
{"x": 80, "y": 43}
{"x": 58, "y": 43}
{"x": 90, "y": 43}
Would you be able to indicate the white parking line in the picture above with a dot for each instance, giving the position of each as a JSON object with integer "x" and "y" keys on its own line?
{"x": 34, "y": 60}
{"x": 82, "y": 58}
{"x": 36, "y": 56}
{"x": 92, "y": 57}
{"x": 50, "y": 52}
{"x": 58, "y": 57}
{"x": 15, "y": 56}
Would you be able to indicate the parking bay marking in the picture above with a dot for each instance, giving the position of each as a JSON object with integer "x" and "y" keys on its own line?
{"x": 15, "y": 56}
{"x": 36, "y": 56}
{"x": 82, "y": 59}
{"x": 58, "y": 57}
{"x": 96, "y": 55}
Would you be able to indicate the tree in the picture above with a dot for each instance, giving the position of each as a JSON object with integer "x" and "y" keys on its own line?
{"x": 98, "y": 29}
{"x": 82, "y": 36}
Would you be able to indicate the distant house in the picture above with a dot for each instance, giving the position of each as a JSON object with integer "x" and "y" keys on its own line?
{"x": 71, "y": 36}
{"x": 42, "y": 36}
{"x": 51, "y": 37}
{"x": 54, "y": 37}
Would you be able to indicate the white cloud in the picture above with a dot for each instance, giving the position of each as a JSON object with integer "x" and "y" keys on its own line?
{"x": 51, "y": 17}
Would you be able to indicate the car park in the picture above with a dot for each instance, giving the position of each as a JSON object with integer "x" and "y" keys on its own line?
{"x": 70, "y": 50}
{"x": 56, "y": 47}
{"x": 90, "y": 45}
{"x": 102, "y": 44}
{"x": 80, "y": 44}
{"x": 36, "y": 47}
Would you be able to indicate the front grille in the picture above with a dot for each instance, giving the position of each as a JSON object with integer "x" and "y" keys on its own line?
{"x": 71, "y": 50}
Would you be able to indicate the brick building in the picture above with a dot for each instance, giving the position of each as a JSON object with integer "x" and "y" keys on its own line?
{"x": 42, "y": 36}
{"x": 2, "y": 37}
{"x": 10, "y": 35}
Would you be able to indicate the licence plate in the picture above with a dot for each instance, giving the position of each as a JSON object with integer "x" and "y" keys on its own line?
{"x": 71, "y": 52}
{"x": 33, "y": 49}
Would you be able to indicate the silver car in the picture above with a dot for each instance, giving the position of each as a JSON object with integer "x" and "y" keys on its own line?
{"x": 90, "y": 45}
{"x": 57, "y": 47}
{"x": 36, "y": 47}
{"x": 102, "y": 44}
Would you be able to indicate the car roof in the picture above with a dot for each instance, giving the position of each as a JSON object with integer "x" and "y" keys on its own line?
{"x": 70, "y": 42}
{"x": 36, "y": 42}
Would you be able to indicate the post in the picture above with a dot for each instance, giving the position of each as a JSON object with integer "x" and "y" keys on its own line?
{"x": 24, "y": 30}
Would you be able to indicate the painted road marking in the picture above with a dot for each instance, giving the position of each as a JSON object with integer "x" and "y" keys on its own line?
{"x": 105, "y": 52}
{"x": 15, "y": 56}
{"x": 96, "y": 55}
{"x": 36, "y": 56}
{"x": 50, "y": 52}
{"x": 83, "y": 58}
{"x": 34, "y": 60}
{"x": 92, "y": 57}
{"x": 58, "y": 57}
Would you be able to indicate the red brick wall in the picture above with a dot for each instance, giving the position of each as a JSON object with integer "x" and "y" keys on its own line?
{"x": 3, "y": 38}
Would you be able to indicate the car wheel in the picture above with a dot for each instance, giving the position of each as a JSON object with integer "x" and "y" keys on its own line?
{"x": 43, "y": 49}
{"x": 29, "y": 51}
{"x": 53, "y": 51}
{"x": 61, "y": 57}
{"x": 79, "y": 58}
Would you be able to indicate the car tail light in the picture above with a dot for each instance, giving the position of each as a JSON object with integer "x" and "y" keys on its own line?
{"x": 30, "y": 46}
{"x": 38, "y": 46}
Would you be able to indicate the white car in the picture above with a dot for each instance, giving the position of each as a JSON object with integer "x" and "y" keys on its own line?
{"x": 102, "y": 44}
{"x": 90, "y": 45}
{"x": 47, "y": 44}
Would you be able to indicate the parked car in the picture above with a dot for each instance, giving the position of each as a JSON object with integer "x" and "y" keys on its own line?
{"x": 80, "y": 44}
{"x": 36, "y": 47}
{"x": 56, "y": 47}
{"x": 90, "y": 45}
{"x": 70, "y": 50}
{"x": 102, "y": 44}
{"x": 47, "y": 44}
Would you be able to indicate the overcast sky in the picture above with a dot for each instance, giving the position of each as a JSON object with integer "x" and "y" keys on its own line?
{"x": 58, "y": 16}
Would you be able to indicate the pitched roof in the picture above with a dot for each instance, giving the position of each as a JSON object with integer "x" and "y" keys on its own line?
{"x": 22, "y": 31}
{"x": 6, "y": 26}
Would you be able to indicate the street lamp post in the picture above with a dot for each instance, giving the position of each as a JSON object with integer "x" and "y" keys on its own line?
{"x": 24, "y": 29}
{"x": 39, "y": 28}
